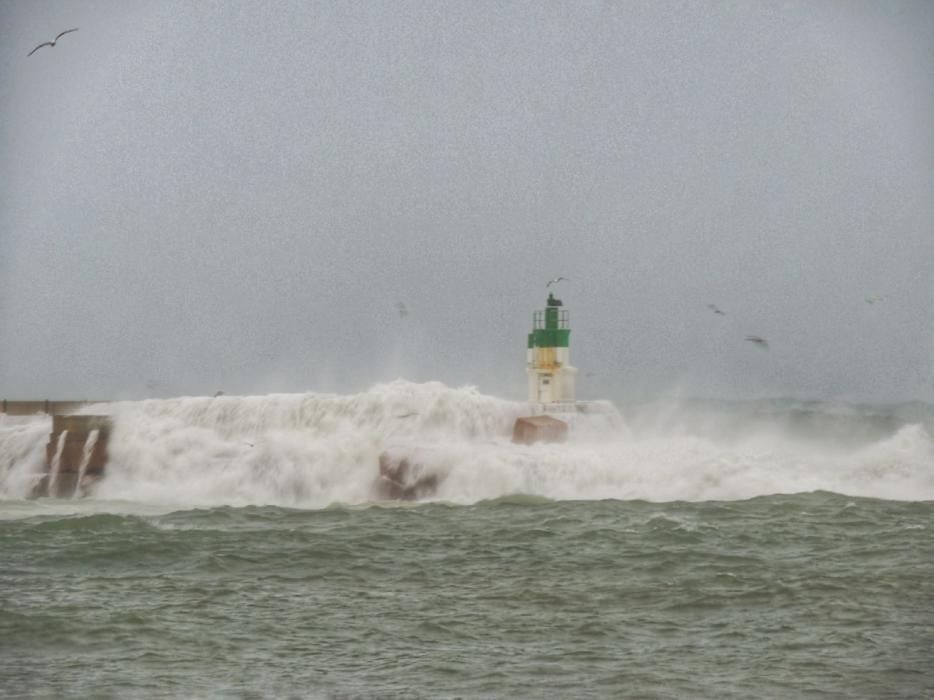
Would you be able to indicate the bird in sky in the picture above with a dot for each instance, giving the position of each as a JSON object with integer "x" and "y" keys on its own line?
{"x": 53, "y": 42}
{"x": 758, "y": 340}
{"x": 403, "y": 312}
{"x": 874, "y": 298}
{"x": 555, "y": 281}
{"x": 713, "y": 307}
{"x": 408, "y": 415}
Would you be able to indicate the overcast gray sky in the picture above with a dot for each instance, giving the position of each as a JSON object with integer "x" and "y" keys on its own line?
{"x": 234, "y": 195}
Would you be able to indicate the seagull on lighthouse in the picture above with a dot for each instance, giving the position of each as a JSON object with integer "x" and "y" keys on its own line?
{"x": 53, "y": 42}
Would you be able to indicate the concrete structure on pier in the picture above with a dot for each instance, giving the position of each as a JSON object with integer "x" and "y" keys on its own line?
{"x": 551, "y": 377}
{"x": 31, "y": 408}
{"x": 548, "y": 359}
{"x": 75, "y": 456}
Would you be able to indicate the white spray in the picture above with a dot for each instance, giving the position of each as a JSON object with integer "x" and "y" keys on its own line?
{"x": 312, "y": 450}
{"x": 89, "y": 445}
{"x": 23, "y": 442}
{"x": 56, "y": 462}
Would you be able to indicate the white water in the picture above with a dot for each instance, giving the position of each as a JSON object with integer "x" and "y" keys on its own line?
{"x": 86, "y": 453}
{"x": 22, "y": 453}
{"x": 311, "y": 450}
{"x": 57, "y": 461}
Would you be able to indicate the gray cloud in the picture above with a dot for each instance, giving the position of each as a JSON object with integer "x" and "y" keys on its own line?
{"x": 235, "y": 195}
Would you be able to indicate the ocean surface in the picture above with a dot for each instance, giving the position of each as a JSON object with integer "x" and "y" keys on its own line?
{"x": 241, "y": 547}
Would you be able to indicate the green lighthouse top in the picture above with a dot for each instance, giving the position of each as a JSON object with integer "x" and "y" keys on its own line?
{"x": 550, "y": 326}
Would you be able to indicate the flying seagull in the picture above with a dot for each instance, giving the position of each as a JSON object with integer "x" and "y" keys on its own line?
{"x": 403, "y": 312}
{"x": 713, "y": 307}
{"x": 53, "y": 42}
{"x": 874, "y": 298}
{"x": 758, "y": 340}
{"x": 555, "y": 281}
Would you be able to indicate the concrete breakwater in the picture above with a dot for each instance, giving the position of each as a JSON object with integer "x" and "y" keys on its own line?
{"x": 31, "y": 408}
{"x": 75, "y": 455}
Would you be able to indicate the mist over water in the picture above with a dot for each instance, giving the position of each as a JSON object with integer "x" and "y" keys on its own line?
{"x": 315, "y": 450}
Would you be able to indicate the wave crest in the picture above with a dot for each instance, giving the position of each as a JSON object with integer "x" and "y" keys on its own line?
{"x": 311, "y": 450}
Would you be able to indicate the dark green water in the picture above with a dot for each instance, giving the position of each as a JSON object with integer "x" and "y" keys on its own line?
{"x": 813, "y": 595}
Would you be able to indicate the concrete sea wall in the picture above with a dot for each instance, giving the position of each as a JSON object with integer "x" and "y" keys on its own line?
{"x": 76, "y": 453}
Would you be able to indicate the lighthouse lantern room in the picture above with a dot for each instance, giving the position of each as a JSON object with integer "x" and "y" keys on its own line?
{"x": 551, "y": 376}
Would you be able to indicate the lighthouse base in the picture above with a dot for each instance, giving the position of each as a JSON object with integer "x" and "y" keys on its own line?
{"x": 531, "y": 429}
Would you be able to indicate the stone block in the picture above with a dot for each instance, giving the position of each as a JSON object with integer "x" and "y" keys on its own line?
{"x": 530, "y": 429}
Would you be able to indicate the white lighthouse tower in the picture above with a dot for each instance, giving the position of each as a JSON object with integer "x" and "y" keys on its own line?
{"x": 551, "y": 376}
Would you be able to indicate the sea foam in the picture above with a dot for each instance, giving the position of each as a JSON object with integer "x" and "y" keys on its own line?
{"x": 312, "y": 450}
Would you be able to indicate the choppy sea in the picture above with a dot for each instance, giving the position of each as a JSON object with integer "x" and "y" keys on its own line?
{"x": 238, "y": 547}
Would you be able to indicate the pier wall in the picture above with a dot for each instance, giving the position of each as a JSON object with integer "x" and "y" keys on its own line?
{"x": 32, "y": 407}
{"x": 75, "y": 455}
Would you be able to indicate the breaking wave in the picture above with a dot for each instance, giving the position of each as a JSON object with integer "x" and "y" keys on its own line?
{"x": 312, "y": 450}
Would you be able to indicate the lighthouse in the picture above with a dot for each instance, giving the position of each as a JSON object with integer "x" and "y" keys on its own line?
{"x": 548, "y": 360}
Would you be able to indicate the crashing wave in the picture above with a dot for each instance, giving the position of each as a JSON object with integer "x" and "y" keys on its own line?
{"x": 311, "y": 450}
